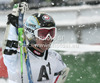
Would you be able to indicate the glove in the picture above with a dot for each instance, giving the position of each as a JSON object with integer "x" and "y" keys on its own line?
{"x": 13, "y": 17}
{"x": 23, "y": 7}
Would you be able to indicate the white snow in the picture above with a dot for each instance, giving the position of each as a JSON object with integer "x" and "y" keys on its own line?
{"x": 68, "y": 8}
{"x": 5, "y": 1}
{"x": 73, "y": 15}
{"x": 2, "y": 80}
{"x": 76, "y": 48}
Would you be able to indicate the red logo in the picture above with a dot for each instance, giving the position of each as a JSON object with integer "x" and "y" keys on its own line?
{"x": 36, "y": 52}
{"x": 46, "y": 17}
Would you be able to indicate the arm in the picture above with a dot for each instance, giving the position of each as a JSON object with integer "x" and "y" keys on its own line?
{"x": 10, "y": 47}
{"x": 61, "y": 71}
{"x": 61, "y": 77}
{"x": 11, "y": 37}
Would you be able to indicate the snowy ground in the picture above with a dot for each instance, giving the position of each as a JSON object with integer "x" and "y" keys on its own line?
{"x": 75, "y": 49}
{"x": 2, "y": 80}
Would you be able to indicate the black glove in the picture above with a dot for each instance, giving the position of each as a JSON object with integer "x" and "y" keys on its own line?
{"x": 13, "y": 20}
{"x": 13, "y": 17}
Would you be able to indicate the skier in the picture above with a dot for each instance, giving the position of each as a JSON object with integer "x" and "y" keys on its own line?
{"x": 40, "y": 30}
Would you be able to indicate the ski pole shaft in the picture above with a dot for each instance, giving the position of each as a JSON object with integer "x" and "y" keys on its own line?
{"x": 20, "y": 37}
{"x": 23, "y": 48}
{"x": 20, "y": 33}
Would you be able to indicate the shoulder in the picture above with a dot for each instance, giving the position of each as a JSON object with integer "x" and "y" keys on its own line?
{"x": 55, "y": 54}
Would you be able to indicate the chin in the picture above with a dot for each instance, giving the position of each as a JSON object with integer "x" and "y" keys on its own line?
{"x": 45, "y": 48}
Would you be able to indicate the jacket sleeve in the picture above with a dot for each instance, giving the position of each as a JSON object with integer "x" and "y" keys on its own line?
{"x": 10, "y": 46}
{"x": 61, "y": 70}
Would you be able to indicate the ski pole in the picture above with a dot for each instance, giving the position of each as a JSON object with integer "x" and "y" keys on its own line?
{"x": 27, "y": 61}
{"x": 20, "y": 32}
{"x": 20, "y": 37}
{"x": 23, "y": 49}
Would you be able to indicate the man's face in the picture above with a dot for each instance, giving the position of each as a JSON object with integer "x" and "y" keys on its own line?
{"x": 43, "y": 44}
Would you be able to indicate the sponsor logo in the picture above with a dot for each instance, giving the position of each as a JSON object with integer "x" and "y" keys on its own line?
{"x": 32, "y": 25}
{"x": 36, "y": 52}
{"x": 46, "y": 17}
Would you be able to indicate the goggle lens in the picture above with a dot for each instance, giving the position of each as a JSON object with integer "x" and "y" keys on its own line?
{"x": 43, "y": 33}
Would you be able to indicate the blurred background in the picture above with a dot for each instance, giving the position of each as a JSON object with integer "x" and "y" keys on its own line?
{"x": 78, "y": 21}
{"x": 78, "y": 37}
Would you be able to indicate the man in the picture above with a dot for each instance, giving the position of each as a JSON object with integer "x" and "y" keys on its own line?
{"x": 46, "y": 65}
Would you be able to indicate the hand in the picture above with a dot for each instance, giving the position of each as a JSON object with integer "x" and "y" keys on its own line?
{"x": 13, "y": 17}
{"x": 22, "y": 6}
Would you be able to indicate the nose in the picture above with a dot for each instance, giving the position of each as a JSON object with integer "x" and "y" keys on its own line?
{"x": 48, "y": 39}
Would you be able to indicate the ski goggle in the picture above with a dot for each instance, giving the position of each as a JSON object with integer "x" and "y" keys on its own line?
{"x": 44, "y": 33}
